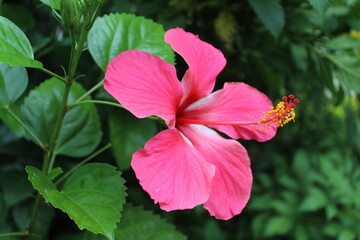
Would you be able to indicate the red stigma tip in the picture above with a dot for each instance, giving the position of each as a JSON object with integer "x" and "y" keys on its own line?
{"x": 296, "y": 100}
{"x": 284, "y": 99}
{"x": 291, "y": 96}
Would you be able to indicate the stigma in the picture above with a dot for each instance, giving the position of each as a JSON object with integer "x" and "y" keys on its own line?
{"x": 283, "y": 113}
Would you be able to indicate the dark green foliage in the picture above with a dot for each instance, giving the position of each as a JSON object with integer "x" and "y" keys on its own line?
{"x": 306, "y": 180}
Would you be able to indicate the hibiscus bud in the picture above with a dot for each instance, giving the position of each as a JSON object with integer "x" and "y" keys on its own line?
{"x": 71, "y": 11}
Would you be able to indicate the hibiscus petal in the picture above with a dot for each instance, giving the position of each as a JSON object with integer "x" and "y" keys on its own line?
{"x": 231, "y": 186}
{"x": 205, "y": 63}
{"x": 172, "y": 172}
{"x": 144, "y": 84}
{"x": 238, "y": 104}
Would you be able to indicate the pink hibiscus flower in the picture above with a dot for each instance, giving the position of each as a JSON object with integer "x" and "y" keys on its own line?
{"x": 191, "y": 164}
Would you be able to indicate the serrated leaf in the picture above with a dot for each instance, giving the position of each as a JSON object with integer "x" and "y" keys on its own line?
{"x": 92, "y": 196}
{"x": 116, "y": 33}
{"x": 271, "y": 13}
{"x": 13, "y": 83}
{"x": 127, "y": 135}
{"x": 80, "y": 132}
{"x": 15, "y": 48}
{"x": 52, "y": 3}
{"x": 139, "y": 224}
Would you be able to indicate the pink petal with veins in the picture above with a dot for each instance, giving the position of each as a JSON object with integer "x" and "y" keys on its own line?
{"x": 236, "y": 102}
{"x": 205, "y": 63}
{"x": 174, "y": 174}
{"x": 145, "y": 85}
{"x": 231, "y": 186}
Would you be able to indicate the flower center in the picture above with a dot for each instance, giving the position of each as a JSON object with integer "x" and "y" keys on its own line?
{"x": 283, "y": 113}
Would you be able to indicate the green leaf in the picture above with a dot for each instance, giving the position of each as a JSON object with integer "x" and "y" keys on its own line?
{"x": 92, "y": 196}
{"x": 80, "y": 132}
{"x": 116, "y": 33}
{"x": 271, "y": 13}
{"x": 348, "y": 81}
{"x": 139, "y": 224}
{"x": 52, "y": 3}
{"x": 13, "y": 83}
{"x": 15, "y": 186}
{"x": 315, "y": 199}
{"x": 342, "y": 42}
{"x": 15, "y": 48}
{"x": 278, "y": 225}
{"x": 320, "y": 5}
{"x": 347, "y": 234}
{"x": 55, "y": 172}
{"x": 128, "y": 134}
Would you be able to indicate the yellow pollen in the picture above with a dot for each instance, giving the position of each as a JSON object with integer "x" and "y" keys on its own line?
{"x": 283, "y": 113}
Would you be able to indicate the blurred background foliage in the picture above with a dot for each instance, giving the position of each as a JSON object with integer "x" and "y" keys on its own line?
{"x": 306, "y": 180}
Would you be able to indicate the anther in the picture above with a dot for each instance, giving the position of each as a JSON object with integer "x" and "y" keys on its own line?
{"x": 283, "y": 113}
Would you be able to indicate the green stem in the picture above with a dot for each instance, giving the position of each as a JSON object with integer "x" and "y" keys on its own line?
{"x": 34, "y": 213}
{"x": 82, "y": 163}
{"x": 54, "y": 75}
{"x": 106, "y": 103}
{"x": 49, "y": 157}
{"x": 79, "y": 46}
{"x": 99, "y": 84}
{"x": 27, "y": 129}
{"x": 52, "y": 161}
{"x": 14, "y": 234}
{"x": 95, "y": 101}
{"x": 56, "y": 130}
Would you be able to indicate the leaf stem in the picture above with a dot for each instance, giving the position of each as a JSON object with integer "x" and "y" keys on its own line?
{"x": 34, "y": 213}
{"x": 82, "y": 163}
{"x": 27, "y": 129}
{"x": 54, "y": 75}
{"x": 107, "y": 103}
{"x": 96, "y": 101}
{"x": 89, "y": 92}
{"x": 14, "y": 234}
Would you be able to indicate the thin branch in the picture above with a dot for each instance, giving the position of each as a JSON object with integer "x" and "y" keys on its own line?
{"x": 95, "y": 101}
{"x": 64, "y": 80}
{"x": 27, "y": 129}
{"x": 82, "y": 163}
{"x": 14, "y": 234}
{"x": 94, "y": 88}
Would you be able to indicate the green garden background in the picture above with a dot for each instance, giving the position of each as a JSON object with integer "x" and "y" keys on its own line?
{"x": 306, "y": 179}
